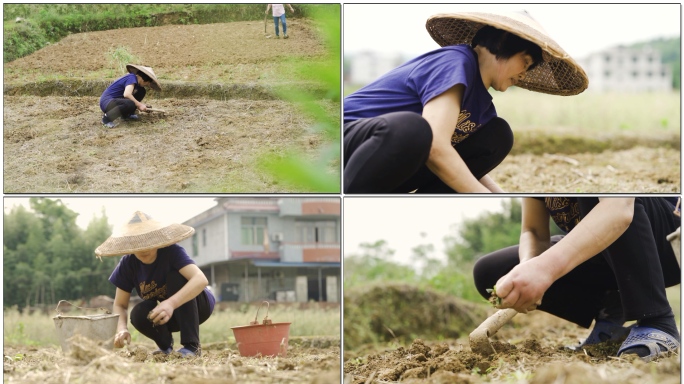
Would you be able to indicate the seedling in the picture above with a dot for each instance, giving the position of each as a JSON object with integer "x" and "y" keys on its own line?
{"x": 494, "y": 300}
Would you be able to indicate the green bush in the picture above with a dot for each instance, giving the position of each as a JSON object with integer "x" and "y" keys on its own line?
{"x": 22, "y": 39}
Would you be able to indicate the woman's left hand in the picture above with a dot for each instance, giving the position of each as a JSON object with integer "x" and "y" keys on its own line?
{"x": 161, "y": 314}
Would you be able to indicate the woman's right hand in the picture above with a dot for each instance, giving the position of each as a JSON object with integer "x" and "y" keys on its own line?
{"x": 122, "y": 338}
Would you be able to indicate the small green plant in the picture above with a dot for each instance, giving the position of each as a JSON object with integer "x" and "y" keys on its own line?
{"x": 118, "y": 58}
{"x": 493, "y": 298}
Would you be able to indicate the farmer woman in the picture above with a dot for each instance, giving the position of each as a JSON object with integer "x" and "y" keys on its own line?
{"x": 124, "y": 96}
{"x": 611, "y": 266}
{"x": 279, "y": 14}
{"x": 429, "y": 126}
{"x": 173, "y": 288}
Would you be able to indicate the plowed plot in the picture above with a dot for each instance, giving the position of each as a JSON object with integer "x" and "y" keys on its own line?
{"x": 531, "y": 351}
{"x": 308, "y": 360}
{"x": 57, "y": 144}
{"x": 203, "y": 143}
{"x": 634, "y": 170}
{"x": 238, "y": 51}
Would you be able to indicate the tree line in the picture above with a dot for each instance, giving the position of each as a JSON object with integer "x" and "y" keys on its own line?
{"x": 47, "y": 257}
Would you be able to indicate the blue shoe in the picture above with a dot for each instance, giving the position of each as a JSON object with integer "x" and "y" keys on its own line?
{"x": 108, "y": 123}
{"x": 188, "y": 353}
{"x": 166, "y": 351}
{"x": 132, "y": 117}
{"x": 603, "y": 331}
{"x": 657, "y": 342}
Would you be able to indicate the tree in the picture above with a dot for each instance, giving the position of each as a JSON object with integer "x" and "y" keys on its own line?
{"x": 375, "y": 264}
{"x": 47, "y": 257}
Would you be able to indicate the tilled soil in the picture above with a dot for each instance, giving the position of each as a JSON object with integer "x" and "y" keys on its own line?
{"x": 58, "y": 144}
{"x": 529, "y": 350}
{"x": 203, "y": 143}
{"x": 177, "y": 52}
{"x": 633, "y": 170}
{"x": 309, "y": 360}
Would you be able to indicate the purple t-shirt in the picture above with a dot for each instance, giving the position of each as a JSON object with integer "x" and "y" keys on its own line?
{"x": 410, "y": 86}
{"x": 116, "y": 89}
{"x": 149, "y": 280}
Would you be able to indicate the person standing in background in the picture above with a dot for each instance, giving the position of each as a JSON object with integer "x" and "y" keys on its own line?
{"x": 279, "y": 14}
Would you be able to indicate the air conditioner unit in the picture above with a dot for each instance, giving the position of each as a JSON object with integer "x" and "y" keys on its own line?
{"x": 277, "y": 237}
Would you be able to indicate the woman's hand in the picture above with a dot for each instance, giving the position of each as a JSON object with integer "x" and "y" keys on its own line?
{"x": 524, "y": 286}
{"x": 161, "y": 314}
{"x": 122, "y": 338}
{"x": 142, "y": 107}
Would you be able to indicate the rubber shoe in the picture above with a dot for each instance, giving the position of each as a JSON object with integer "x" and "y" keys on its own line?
{"x": 108, "y": 123}
{"x": 188, "y": 353}
{"x": 654, "y": 340}
{"x": 132, "y": 117}
{"x": 164, "y": 351}
{"x": 277, "y": 36}
{"x": 286, "y": 37}
{"x": 603, "y": 331}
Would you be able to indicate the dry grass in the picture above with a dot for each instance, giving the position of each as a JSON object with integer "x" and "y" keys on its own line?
{"x": 38, "y": 329}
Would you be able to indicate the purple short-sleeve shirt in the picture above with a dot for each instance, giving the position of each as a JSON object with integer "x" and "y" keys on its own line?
{"x": 149, "y": 280}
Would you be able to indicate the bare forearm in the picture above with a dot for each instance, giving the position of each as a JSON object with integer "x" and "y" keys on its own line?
{"x": 531, "y": 245}
{"x": 190, "y": 290}
{"x": 606, "y": 222}
{"x": 490, "y": 184}
{"x": 451, "y": 169}
{"x": 122, "y": 325}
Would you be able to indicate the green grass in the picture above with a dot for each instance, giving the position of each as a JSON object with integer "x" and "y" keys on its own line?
{"x": 39, "y": 329}
{"x": 591, "y": 114}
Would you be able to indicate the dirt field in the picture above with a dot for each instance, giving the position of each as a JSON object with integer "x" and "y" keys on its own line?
{"x": 634, "y": 170}
{"x": 308, "y": 360}
{"x": 208, "y": 141}
{"x": 530, "y": 349}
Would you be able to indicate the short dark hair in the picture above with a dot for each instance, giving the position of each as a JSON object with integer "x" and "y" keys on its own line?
{"x": 505, "y": 45}
{"x": 144, "y": 76}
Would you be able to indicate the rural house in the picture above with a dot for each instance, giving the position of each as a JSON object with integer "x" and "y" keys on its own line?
{"x": 624, "y": 69}
{"x": 282, "y": 249}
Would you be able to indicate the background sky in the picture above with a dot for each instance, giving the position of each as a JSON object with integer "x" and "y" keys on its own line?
{"x": 120, "y": 209}
{"x": 580, "y": 29}
{"x": 400, "y": 220}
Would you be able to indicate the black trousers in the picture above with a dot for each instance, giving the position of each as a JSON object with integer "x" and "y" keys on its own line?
{"x": 123, "y": 107}
{"x": 638, "y": 266}
{"x": 186, "y": 318}
{"x": 387, "y": 154}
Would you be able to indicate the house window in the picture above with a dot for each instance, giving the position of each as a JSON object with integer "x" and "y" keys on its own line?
{"x": 204, "y": 237}
{"x": 194, "y": 245}
{"x": 311, "y": 232}
{"x": 252, "y": 229}
{"x": 606, "y": 73}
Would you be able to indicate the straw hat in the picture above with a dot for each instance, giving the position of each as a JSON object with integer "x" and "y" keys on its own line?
{"x": 141, "y": 233}
{"x": 559, "y": 74}
{"x": 132, "y": 68}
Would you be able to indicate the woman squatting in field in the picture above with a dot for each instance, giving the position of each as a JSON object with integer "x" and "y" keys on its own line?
{"x": 174, "y": 290}
{"x": 429, "y": 126}
{"x": 612, "y": 266}
{"x": 125, "y": 95}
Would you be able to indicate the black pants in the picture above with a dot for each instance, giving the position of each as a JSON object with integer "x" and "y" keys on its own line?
{"x": 124, "y": 107}
{"x": 639, "y": 265}
{"x": 387, "y": 154}
{"x": 186, "y": 318}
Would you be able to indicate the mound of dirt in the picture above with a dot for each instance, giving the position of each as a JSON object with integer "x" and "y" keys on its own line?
{"x": 401, "y": 313}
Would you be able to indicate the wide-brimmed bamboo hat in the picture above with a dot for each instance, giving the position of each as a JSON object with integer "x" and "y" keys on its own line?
{"x": 558, "y": 74}
{"x": 133, "y": 68}
{"x": 141, "y": 233}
